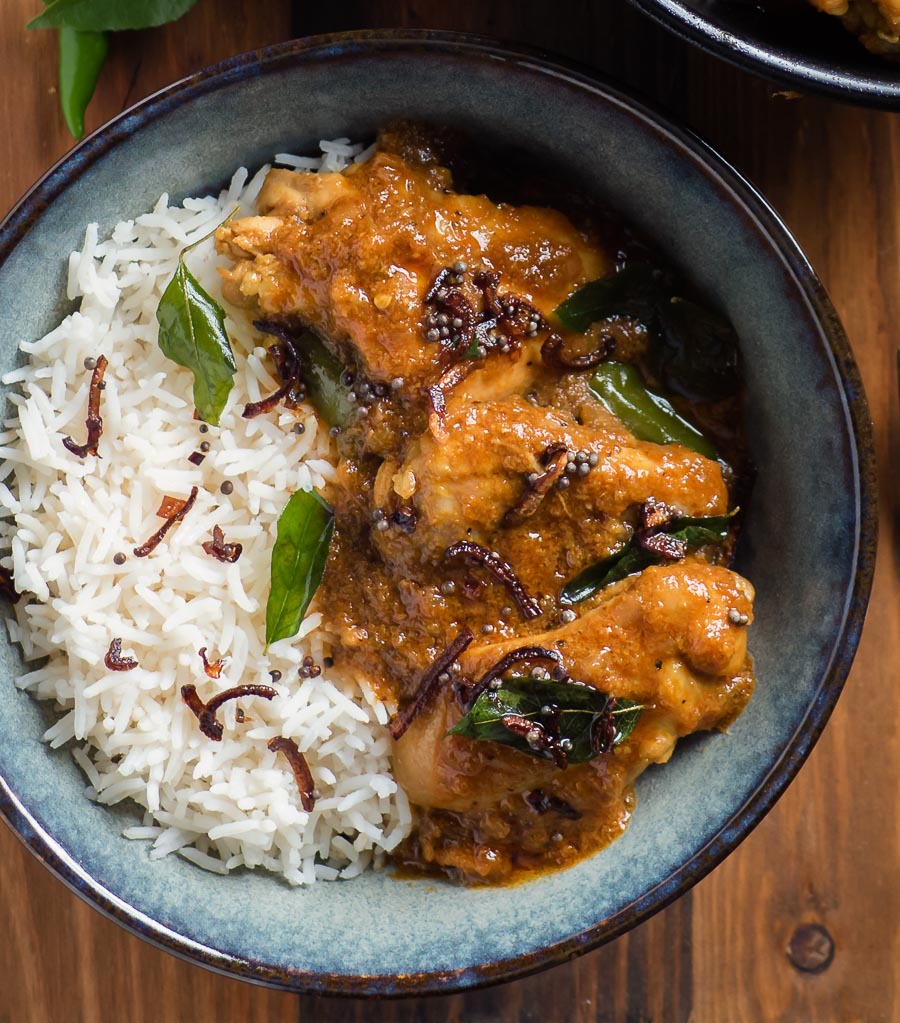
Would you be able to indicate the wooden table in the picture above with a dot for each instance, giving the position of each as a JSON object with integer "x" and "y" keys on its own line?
{"x": 829, "y": 852}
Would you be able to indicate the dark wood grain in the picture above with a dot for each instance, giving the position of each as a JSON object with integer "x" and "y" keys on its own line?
{"x": 830, "y": 851}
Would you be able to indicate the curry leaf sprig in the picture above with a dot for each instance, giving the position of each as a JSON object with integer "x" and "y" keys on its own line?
{"x": 576, "y": 721}
{"x": 305, "y": 529}
{"x": 631, "y": 557}
{"x": 83, "y": 27}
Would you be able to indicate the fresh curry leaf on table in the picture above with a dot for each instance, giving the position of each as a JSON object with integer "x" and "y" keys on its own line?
{"x": 631, "y": 557}
{"x": 192, "y": 333}
{"x": 575, "y": 717}
{"x": 301, "y": 549}
{"x": 110, "y": 15}
{"x": 82, "y": 27}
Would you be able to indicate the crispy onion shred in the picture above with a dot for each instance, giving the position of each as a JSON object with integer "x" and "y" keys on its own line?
{"x": 150, "y": 545}
{"x": 428, "y": 684}
{"x": 654, "y": 516}
{"x": 501, "y": 570}
{"x": 114, "y": 660}
{"x": 93, "y": 422}
{"x": 206, "y": 712}
{"x": 289, "y": 366}
{"x": 524, "y": 654}
{"x": 537, "y": 736}
{"x": 221, "y": 551}
{"x": 213, "y": 669}
{"x": 553, "y": 355}
{"x": 554, "y": 461}
{"x": 438, "y": 392}
{"x": 299, "y": 768}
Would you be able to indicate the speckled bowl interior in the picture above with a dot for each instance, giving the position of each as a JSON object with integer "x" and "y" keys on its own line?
{"x": 807, "y": 545}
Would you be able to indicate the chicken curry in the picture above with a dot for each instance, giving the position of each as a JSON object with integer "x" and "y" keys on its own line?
{"x": 531, "y": 540}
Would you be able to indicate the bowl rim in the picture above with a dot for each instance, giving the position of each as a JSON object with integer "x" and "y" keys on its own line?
{"x": 870, "y": 89}
{"x": 266, "y": 59}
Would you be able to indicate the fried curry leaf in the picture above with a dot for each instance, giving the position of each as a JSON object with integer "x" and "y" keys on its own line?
{"x": 699, "y": 532}
{"x": 634, "y": 291}
{"x": 631, "y": 557}
{"x": 627, "y": 560}
{"x": 570, "y": 713}
{"x": 693, "y": 350}
{"x": 192, "y": 333}
{"x": 109, "y": 15}
{"x": 305, "y": 528}
{"x": 626, "y": 715}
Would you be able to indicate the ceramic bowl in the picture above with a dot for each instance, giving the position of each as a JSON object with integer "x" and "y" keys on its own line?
{"x": 808, "y": 544}
{"x": 789, "y": 42}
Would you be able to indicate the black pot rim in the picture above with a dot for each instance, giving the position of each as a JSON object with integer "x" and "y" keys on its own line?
{"x": 879, "y": 87}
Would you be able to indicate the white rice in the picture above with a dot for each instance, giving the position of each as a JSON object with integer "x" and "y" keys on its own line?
{"x": 225, "y": 804}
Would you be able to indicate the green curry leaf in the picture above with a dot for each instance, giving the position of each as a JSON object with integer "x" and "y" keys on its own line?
{"x": 322, "y": 375}
{"x": 305, "y": 528}
{"x": 626, "y": 715}
{"x": 109, "y": 15}
{"x": 625, "y": 561}
{"x": 694, "y": 351}
{"x": 635, "y": 290}
{"x": 192, "y": 333}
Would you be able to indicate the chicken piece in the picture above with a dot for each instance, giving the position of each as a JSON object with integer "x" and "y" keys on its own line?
{"x": 584, "y": 807}
{"x": 353, "y": 255}
{"x": 674, "y": 615}
{"x": 467, "y": 486}
{"x": 662, "y": 638}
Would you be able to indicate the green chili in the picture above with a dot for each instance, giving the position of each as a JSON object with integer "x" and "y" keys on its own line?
{"x": 81, "y": 56}
{"x": 648, "y": 415}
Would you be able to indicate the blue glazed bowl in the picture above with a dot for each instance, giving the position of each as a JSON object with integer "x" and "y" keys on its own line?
{"x": 808, "y": 544}
{"x": 791, "y": 43}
